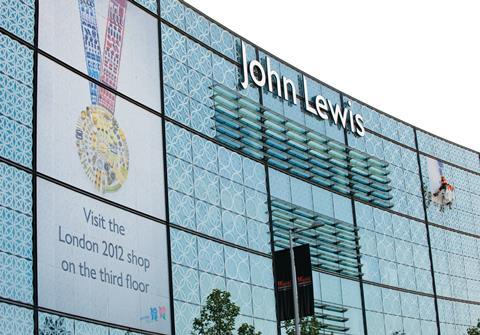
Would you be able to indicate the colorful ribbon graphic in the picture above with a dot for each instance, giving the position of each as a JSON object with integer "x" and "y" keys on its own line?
{"x": 101, "y": 143}
{"x": 106, "y": 70}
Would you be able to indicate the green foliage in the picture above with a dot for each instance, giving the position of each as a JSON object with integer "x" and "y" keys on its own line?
{"x": 474, "y": 330}
{"x": 218, "y": 316}
{"x": 246, "y": 329}
{"x": 308, "y": 326}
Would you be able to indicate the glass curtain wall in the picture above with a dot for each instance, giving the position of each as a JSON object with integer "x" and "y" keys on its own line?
{"x": 222, "y": 173}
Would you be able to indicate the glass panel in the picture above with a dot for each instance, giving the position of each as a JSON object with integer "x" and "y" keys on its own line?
{"x": 447, "y": 151}
{"x": 462, "y": 213}
{"x": 16, "y": 95}
{"x": 248, "y": 277}
{"x": 15, "y": 320}
{"x": 18, "y": 17}
{"x": 151, "y": 5}
{"x": 16, "y": 234}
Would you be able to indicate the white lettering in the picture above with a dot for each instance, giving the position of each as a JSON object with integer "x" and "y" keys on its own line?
{"x": 270, "y": 76}
{"x": 258, "y": 81}
{"x": 337, "y": 112}
{"x": 287, "y": 82}
{"x": 360, "y": 127}
{"x": 244, "y": 83}
{"x": 321, "y": 106}
{"x": 285, "y": 87}
{"x": 305, "y": 94}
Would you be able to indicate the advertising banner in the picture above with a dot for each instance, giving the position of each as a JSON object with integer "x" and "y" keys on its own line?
{"x": 116, "y": 156}
{"x": 88, "y": 136}
{"x": 101, "y": 262}
{"x": 283, "y": 278}
{"x": 112, "y": 41}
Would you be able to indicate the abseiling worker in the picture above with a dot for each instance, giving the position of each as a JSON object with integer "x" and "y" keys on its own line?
{"x": 446, "y": 192}
{"x": 443, "y": 186}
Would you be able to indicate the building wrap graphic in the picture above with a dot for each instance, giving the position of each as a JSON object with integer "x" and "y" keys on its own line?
{"x": 101, "y": 143}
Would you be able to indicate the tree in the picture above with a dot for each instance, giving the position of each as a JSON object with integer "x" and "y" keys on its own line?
{"x": 246, "y": 329}
{"x": 474, "y": 330}
{"x": 308, "y": 326}
{"x": 218, "y": 316}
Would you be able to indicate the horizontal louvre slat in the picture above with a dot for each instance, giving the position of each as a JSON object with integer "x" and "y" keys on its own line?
{"x": 288, "y": 145}
{"x": 333, "y": 244}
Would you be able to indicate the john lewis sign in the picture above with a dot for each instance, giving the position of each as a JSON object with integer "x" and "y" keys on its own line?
{"x": 285, "y": 88}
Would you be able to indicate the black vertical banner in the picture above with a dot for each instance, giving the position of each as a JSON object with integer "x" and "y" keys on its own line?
{"x": 283, "y": 277}
{"x": 304, "y": 280}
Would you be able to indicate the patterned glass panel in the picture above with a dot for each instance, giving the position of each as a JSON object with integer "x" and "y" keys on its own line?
{"x": 151, "y": 5}
{"x": 200, "y": 265}
{"x": 394, "y": 249}
{"x": 216, "y": 191}
{"x": 16, "y": 234}
{"x": 18, "y": 17}
{"x": 385, "y": 125}
{"x": 390, "y": 311}
{"x": 186, "y": 284}
{"x": 338, "y": 304}
{"x": 463, "y": 214}
{"x": 16, "y": 94}
{"x": 404, "y": 172}
{"x": 174, "y": 12}
{"x": 15, "y": 320}
{"x": 456, "y": 264}
{"x": 200, "y": 27}
{"x": 197, "y": 26}
{"x": 190, "y": 69}
{"x": 456, "y": 317}
{"x": 447, "y": 151}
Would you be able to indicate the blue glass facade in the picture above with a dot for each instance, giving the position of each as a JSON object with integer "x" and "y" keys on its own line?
{"x": 241, "y": 167}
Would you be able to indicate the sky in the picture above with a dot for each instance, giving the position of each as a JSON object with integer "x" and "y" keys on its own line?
{"x": 416, "y": 60}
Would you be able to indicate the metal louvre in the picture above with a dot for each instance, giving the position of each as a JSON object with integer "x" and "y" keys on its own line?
{"x": 331, "y": 317}
{"x": 333, "y": 245}
{"x": 262, "y": 133}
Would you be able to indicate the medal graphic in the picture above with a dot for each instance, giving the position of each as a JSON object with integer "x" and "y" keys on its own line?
{"x": 101, "y": 143}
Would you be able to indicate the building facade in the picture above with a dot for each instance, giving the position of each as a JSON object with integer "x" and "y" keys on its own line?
{"x": 149, "y": 155}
